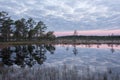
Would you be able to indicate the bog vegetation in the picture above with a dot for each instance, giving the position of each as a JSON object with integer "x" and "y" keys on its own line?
{"x": 56, "y": 73}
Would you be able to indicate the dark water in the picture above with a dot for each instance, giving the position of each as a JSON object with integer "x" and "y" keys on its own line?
{"x": 99, "y": 56}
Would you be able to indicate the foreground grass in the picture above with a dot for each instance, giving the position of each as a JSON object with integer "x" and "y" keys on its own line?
{"x": 56, "y": 73}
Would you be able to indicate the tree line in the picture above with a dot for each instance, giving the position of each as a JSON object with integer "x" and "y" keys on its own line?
{"x": 72, "y": 37}
{"x": 22, "y": 29}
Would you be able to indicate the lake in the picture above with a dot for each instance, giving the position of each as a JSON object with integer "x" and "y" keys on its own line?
{"x": 101, "y": 56}
{"x": 98, "y": 57}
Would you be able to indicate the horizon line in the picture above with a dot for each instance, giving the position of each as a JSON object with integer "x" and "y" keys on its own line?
{"x": 88, "y": 32}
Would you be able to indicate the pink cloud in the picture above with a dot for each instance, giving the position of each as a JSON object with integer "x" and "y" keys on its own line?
{"x": 89, "y": 32}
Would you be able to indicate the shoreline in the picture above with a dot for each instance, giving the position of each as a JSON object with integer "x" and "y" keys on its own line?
{"x": 77, "y": 42}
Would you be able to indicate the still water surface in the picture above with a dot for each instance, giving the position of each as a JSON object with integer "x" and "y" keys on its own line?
{"x": 99, "y": 56}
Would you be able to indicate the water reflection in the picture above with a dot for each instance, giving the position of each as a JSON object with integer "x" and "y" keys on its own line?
{"x": 25, "y": 55}
{"x": 75, "y": 51}
{"x": 111, "y": 47}
{"x": 28, "y": 55}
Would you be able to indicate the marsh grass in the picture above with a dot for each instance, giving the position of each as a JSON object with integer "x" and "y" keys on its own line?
{"x": 56, "y": 73}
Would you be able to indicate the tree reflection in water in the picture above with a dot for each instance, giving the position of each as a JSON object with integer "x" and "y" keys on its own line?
{"x": 75, "y": 51}
{"x": 28, "y": 55}
{"x": 25, "y": 55}
{"x": 112, "y": 48}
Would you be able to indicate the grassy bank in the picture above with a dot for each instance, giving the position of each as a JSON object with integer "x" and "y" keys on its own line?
{"x": 57, "y": 73}
{"x": 25, "y": 42}
{"x": 62, "y": 42}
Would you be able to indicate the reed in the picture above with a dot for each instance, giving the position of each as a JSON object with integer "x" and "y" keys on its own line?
{"x": 57, "y": 73}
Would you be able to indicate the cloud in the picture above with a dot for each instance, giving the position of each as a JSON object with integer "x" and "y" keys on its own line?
{"x": 67, "y": 14}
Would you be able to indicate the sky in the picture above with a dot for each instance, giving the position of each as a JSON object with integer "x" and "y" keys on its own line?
{"x": 65, "y": 16}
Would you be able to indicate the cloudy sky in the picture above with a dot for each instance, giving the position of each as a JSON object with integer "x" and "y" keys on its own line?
{"x": 67, "y": 15}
